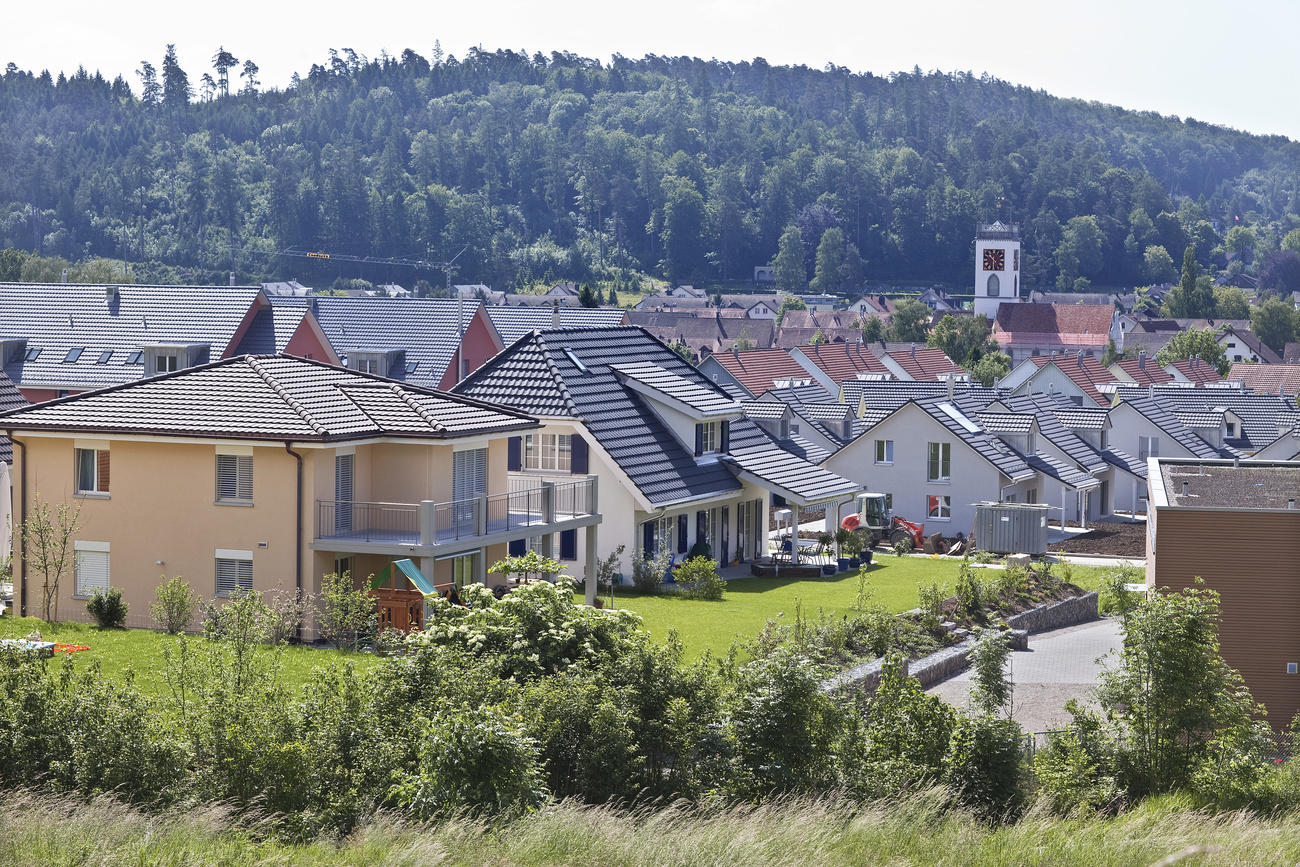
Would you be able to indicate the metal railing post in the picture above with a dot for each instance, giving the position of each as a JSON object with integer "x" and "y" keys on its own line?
{"x": 480, "y": 515}
{"x": 428, "y": 531}
{"x": 592, "y": 491}
{"x": 548, "y": 502}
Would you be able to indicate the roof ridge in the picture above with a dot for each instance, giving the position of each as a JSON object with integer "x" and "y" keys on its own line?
{"x": 257, "y": 367}
{"x": 409, "y": 400}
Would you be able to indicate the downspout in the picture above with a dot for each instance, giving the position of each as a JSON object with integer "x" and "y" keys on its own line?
{"x": 22, "y": 521}
{"x": 297, "y": 548}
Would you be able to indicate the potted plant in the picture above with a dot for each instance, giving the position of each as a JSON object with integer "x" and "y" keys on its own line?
{"x": 845, "y": 540}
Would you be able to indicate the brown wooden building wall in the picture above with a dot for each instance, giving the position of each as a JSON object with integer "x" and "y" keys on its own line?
{"x": 1253, "y": 560}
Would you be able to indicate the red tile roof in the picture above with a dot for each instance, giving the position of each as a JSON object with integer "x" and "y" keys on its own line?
{"x": 1200, "y": 373}
{"x": 1084, "y": 371}
{"x": 925, "y": 364}
{"x": 1045, "y": 324}
{"x": 1267, "y": 378}
{"x": 1145, "y": 372}
{"x": 757, "y": 369}
{"x": 841, "y": 361}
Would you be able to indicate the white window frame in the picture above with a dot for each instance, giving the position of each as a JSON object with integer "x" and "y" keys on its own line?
{"x": 548, "y": 452}
{"x": 93, "y": 447}
{"x": 167, "y": 362}
{"x": 940, "y": 454}
{"x": 943, "y": 505}
{"x": 230, "y": 555}
{"x": 884, "y": 454}
{"x": 711, "y": 435}
{"x": 83, "y": 554}
{"x": 239, "y": 461}
{"x": 1148, "y": 447}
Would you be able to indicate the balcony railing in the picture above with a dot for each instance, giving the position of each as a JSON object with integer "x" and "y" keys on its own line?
{"x": 428, "y": 523}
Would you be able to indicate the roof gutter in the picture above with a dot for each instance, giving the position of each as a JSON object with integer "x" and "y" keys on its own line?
{"x": 297, "y": 548}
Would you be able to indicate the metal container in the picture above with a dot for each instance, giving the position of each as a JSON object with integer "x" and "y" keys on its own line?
{"x": 1011, "y": 528}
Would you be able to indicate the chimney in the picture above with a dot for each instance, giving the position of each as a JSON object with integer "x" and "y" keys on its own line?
{"x": 232, "y": 278}
{"x": 555, "y": 315}
{"x": 1142, "y": 359}
{"x": 951, "y": 380}
{"x": 1184, "y": 489}
{"x": 1290, "y": 503}
{"x": 64, "y": 278}
{"x": 1079, "y": 358}
{"x": 913, "y": 348}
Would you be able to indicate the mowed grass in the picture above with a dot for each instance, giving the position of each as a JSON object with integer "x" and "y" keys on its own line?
{"x": 141, "y": 652}
{"x": 747, "y": 605}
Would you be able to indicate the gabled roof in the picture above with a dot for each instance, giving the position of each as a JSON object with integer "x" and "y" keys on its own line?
{"x": 1083, "y": 370}
{"x": 1008, "y": 461}
{"x": 1078, "y": 418}
{"x": 757, "y": 454}
{"x": 1267, "y": 378}
{"x": 841, "y": 361}
{"x": 1262, "y": 415}
{"x": 269, "y": 397}
{"x": 924, "y": 364}
{"x": 674, "y": 388}
{"x": 1199, "y": 371}
{"x": 759, "y": 369}
{"x": 790, "y": 336}
{"x": 274, "y": 325}
{"x": 1062, "y": 472}
{"x": 1125, "y": 461}
{"x": 891, "y": 394}
{"x": 428, "y": 330}
{"x": 1054, "y": 324}
{"x": 1143, "y": 371}
{"x": 1006, "y": 422}
{"x": 60, "y": 318}
{"x": 1291, "y": 352}
{"x": 1043, "y": 408}
{"x": 1257, "y": 346}
{"x": 764, "y": 410}
{"x": 1162, "y": 418}
{"x": 513, "y": 323}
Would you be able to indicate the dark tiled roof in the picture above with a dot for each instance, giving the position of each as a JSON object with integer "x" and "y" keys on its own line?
{"x": 790, "y": 337}
{"x": 62, "y": 317}
{"x": 540, "y": 374}
{"x": 1291, "y": 353}
{"x": 1005, "y": 422}
{"x": 891, "y": 394}
{"x": 513, "y": 323}
{"x": 699, "y": 397}
{"x": 1160, "y": 415}
{"x": 1079, "y": 418}
{"x": 764, "y": 410}
{"x": 1044, "y": 410}
{"x": 10, "y": 399}
{"x": 275, "y": 397}
{"x": 1010, "y": 462}
{"x": 272, "y": 327}
{"x": 754, "y": 452}
{"x": 1062, "y": 471}
{"x": 428, "y": 330}
{"x": 1262, "y": 415}
{"x": 1125, "y": 461}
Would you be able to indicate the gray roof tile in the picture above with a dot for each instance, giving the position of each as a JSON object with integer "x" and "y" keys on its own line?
{"x": 513, "y": 323}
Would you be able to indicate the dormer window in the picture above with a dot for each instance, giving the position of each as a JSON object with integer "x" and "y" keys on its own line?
{"x": 1232, "y": 429}
{"x": 167, "y": 362}
{"x": 712, "y": 437}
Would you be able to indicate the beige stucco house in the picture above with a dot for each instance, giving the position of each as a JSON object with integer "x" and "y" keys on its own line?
{"x": 267, "y": 472}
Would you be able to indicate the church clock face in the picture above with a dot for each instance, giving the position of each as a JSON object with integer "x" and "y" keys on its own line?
{"x": 995, "y": 260}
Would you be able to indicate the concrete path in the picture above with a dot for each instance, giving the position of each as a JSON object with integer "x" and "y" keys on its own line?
{"x": 1059, "y": 665}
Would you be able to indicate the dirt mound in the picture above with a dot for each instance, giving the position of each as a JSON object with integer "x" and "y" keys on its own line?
{"x": 1109, "y": 539}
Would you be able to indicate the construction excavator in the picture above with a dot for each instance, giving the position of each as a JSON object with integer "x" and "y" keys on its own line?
{"x": 873, "y": 517}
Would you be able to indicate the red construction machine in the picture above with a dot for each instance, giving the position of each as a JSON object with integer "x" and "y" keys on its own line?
{"x": 874, "y": 518}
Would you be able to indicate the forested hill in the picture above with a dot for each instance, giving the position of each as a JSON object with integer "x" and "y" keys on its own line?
{"x": 550, "y": 167}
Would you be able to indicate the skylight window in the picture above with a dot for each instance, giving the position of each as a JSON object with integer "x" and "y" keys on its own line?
{"x": 73, "y": 354}
{"x": 33, "y": 354}
{"x": 105, "y": 357}
{"x": 956, "y": 415}
{"x": 411, "y": 366}
{"x": 135, "y": 357}
{"x": 574, "y": 358}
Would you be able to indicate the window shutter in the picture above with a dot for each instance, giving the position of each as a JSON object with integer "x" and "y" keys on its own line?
{"x": 683, "y": 534}
{"x": 648, "y": 539}
{"x": 514, "y": 454}
{"x": 343, "y": 465}
{"x": 518, "y": 547}
{"x": 244, "y": 477}
{"x": 569, "y": 544}
{"x": 701, "y": 526}
{"x": 227, "y": 482}
{"x": 101, "y": 460}
{"x": 699, "y": 440}
{"x": 578, "y": 455}
{"x": 725, "y": 445}
{"x": 92, "y": 572}
{"x": 234, "y": 575}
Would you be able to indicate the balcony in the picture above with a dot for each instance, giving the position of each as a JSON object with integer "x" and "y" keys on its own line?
{"x": 440, "y": 528}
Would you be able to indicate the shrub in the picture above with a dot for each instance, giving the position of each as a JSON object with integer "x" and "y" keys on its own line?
{"x": 648, "y": 573}
{"x": 699, "y": 579}
{"x": 700, "y": 549}
{"x": 983, "y": 764}
{"x": 970, "y": 594}
{"x": 931, "y": 604}
{"x": 348, "y": 613}
{"x": 1116, "y": 598}
{"x": 903, "y": 547}
{"x": 174, "y": 604}
{"x": 287, "y": 614}
{"x": 476, "y": 760}
{"x": 1069, "y": 777}
{"x": 107, "y": 607}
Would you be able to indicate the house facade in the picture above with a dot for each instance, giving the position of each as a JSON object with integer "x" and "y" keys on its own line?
{"x": 266, "y": 473}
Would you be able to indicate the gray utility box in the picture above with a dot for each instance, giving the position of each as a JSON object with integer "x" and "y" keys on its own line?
{"x": 1011, "y": 528}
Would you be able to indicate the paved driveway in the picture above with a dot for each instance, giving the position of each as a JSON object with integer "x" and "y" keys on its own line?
{"x": 1059, "y": 665}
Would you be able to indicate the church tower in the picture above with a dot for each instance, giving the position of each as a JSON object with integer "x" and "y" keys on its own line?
{"x": 997, "y": 267}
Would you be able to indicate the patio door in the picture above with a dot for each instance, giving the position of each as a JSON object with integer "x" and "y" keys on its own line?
{"x": 468, "y": 480}
{"x": 343, "y": 481}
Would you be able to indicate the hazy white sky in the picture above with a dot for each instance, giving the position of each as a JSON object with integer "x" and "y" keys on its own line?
{"x": 1230, "y": 63}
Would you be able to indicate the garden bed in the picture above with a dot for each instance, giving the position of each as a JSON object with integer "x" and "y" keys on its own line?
{"x": 1107, "y": 539}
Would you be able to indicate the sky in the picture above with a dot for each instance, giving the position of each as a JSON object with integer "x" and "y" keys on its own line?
{"x": 1230, "y": 64}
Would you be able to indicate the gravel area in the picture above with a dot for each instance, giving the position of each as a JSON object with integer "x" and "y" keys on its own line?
{"x": 1109, "y": 538}
{"x": 1059, "y": 665}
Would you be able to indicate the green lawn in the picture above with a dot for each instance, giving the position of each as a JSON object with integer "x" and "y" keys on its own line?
{"x": 750, "y": 602}
{"x": 141, "y": 650}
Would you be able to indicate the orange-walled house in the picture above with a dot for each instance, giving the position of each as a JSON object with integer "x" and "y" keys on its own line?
{"x": 268, "y": 472}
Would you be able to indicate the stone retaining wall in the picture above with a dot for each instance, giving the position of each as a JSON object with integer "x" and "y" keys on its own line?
{"x": 949, "y": 661}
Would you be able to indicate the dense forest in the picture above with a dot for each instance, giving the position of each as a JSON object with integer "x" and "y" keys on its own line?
{"x": 532, "y": 168}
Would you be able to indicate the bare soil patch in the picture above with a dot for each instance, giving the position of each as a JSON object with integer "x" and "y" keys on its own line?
{"x": 1109, "y": 539}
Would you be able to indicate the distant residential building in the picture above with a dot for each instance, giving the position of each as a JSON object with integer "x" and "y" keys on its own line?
{"x": 1025, "y": 330}
{"x": 1077, "y": 376}
{"x": 512, "y": 323}
{"x": 764, "y": 274}
{"x": 1266, "y": 378}
{"x": 755, "y": 371}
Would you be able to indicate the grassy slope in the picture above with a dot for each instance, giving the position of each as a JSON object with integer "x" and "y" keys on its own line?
{"x": 141, "y": 651}
{"x": 910, "y": 831}
{"x": 750, "y": 602}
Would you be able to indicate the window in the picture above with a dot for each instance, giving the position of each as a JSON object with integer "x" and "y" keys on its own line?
{"x": 91, "y": 568}
{"x": 105, "y": 357}
{"x": 167, "y": 362}
{"x": 73, "y": 354}
{"x": 938, "y": 507}
{"x": 939, "y": 465}
{"x": 366, "y": 365}
{"x": 33, "y": 354}
{"x": 92, "y": 470}
{"x": 1031, "y": 496}
{"x": 553, "y": 452}
{"x": 234, "y": 571}
{"x": 464, "y": 570}
{"x": 134, "y": 357}
{"x": 889, "y": 502}
{"x": 884, "y": 451}
{"x": 235, "y": 478}
{"x": 1011, "y": 498}
{"x": 1148, "y": 447}
{"x": 1232, "y": 429}
{"x": 995, "y": 286}
{"x": 709, "y": 436}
